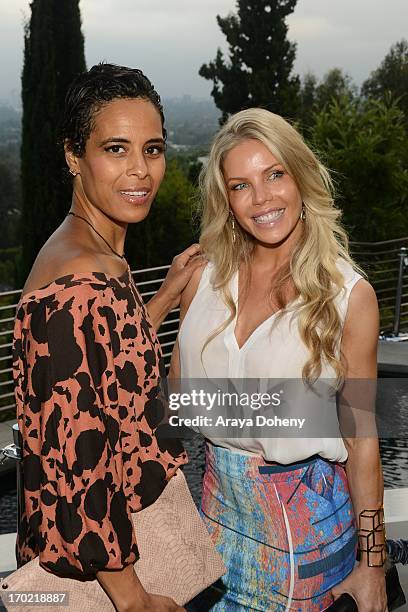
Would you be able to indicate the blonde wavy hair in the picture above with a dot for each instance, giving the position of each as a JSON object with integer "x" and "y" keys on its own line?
{"x": 311, "y": 273}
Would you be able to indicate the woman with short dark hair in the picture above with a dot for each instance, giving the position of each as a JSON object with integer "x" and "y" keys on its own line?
{"x": 87, "y": 363}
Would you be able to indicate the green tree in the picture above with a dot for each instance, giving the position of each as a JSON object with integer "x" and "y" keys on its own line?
{"x": 168, "y": 229}
{"x": 258, "y": 71}
{"x": 9, "y": 212}
{"x": 315, "y": 96}
{"x": 365, "y": 144}
{"x": 335, "y": 85}
{"x": 391, "y": 77}
{"x": 307, "y": 99}
{"x": 9, "y": 221}
{"x": 53, "y": 56}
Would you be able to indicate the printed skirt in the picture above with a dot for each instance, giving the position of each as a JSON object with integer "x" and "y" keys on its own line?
{"x": 287, "y": 533}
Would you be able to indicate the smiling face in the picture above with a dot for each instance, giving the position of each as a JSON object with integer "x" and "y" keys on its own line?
{"x": 262, "y": 195}
{"x": 124, "y": 163}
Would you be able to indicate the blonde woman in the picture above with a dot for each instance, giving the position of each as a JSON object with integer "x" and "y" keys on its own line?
{"x": 282, "y": 298}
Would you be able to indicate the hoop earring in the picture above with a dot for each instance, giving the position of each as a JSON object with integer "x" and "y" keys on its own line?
{"x": 303, "y": 213}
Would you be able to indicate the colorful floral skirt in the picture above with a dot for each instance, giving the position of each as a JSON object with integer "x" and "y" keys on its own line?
{"x": 287, "y": 533}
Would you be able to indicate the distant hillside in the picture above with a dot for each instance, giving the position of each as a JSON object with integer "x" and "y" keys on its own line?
{"x": 10, "y": 125}
{"x": 190, "y": 121}
{"x": 8, "y": 113}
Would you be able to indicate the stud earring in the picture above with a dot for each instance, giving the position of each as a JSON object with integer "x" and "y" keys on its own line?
{"x": 71, "y": 171}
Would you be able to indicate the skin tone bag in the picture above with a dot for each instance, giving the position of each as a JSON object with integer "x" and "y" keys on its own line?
{"x": 177, "y": 559}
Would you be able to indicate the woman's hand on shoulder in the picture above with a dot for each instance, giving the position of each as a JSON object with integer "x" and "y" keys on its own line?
{"x": 186, "y": 298}
{"x": 181, "y": 271}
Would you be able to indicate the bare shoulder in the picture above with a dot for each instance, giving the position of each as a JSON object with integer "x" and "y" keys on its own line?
{"x": 361, "y": 330}
{"x": 50, "y": 266}
{"x": 190, "y": 291}
{"x": 62, "y": 256}
{"x": 362, "y": 306}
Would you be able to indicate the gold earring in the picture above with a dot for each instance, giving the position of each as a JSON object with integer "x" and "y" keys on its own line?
{"x": 234, "y": 235}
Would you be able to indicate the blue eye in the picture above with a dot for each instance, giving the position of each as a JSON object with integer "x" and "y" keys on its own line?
{"x": 275, "y": 175}
{"x": 238, "y": 187}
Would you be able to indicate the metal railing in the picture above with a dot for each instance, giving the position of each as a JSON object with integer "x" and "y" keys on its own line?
{"x": 386, "y": 264}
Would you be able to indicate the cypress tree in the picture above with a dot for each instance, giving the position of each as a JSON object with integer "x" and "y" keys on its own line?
{"x": 261, "y": 59}
{"x": 53, "y": 56}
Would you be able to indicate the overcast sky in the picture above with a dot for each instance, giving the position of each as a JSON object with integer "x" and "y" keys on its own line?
{"x": 170, "y": 39}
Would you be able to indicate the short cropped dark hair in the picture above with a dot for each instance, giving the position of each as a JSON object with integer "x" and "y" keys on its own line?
{"x": 91, "y": 90}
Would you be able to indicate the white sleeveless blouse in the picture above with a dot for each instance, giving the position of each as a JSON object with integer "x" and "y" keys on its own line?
{"x": 270, "y": 352}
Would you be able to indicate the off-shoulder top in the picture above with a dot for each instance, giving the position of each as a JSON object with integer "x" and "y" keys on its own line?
{"x": 88, "y": 376}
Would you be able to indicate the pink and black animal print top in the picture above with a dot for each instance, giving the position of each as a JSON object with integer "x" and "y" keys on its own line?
{"x": 88, "y": 374}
